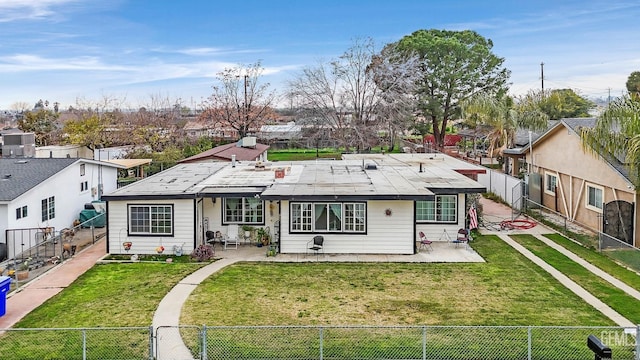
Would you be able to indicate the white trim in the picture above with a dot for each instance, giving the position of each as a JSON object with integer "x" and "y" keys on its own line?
{"x": 586, "y": 197}
{"x": 546, "y": 182}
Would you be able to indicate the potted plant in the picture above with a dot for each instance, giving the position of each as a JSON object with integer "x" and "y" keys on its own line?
{"x": 248, "y": 229}
{"x": 23, "y": 270}
{"x": 263, "y": 237}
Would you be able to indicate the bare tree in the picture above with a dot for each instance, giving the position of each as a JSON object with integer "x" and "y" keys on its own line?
{"x": 20, "y": 106}
{"x": 239, "y": 100}
{"x": 397, "y": 78}
{"x": 358, "y": 96}
{"x": 341, "y": 96}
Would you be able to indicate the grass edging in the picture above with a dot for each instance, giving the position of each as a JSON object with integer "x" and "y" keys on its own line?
{"x": 603, "y": 262}
{"x": 626, "y": 305}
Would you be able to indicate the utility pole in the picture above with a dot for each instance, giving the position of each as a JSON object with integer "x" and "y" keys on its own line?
{"x": 542, "y": 75}
{"x": 246, "y": 106}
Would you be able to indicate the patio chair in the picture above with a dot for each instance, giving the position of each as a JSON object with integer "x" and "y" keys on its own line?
{"x": 462, "y": 237}
{"x": 316, "y": 245}
{"x": 231, "y": 239}
{"x": 424, "y": 242}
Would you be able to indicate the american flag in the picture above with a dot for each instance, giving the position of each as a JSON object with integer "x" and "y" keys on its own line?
{"x": 473, "y": 218}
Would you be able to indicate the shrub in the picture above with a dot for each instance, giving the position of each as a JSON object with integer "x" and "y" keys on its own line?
{"x": 203, "y": 252}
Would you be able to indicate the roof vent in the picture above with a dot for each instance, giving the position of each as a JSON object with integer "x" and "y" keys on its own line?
{"x": 6, "y": 176}
{"x": 371, "y": 166}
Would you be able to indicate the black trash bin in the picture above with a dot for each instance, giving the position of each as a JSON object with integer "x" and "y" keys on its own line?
{"x": 5, "y": 284}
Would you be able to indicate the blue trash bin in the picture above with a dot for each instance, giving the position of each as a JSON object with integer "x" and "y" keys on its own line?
{"x": 5, "y": 284}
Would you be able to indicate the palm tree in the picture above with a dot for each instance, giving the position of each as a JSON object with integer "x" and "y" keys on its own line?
{"x": 505, "y": 117}
{"x": 617, "y": 133}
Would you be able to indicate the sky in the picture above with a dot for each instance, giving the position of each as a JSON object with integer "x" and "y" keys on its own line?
{"x": 79, "y": 51}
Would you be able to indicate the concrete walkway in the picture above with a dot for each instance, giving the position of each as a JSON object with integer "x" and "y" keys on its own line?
{"x": 597, "y": 271}
{"x": 496, "y": 212}
{"x": 570, "y": 284}
{"x": 37, "y": 291}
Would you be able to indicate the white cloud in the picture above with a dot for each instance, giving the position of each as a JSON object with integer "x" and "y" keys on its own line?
{"x": 14, "y": 10}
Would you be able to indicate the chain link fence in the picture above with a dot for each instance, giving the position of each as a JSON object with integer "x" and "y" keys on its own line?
{"x": 322, "y": 343}
{"x": 85, "y": 344}
{"x": 411, "y": 342}
{"x": 614, "y": 248}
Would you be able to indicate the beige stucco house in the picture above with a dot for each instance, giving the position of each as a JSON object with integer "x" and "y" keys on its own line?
{"x": 591, "y": 189}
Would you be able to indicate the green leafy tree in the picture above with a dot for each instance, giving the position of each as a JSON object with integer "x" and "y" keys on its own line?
{"x": 633, "y": 83}
{"x": 454, "y": 66}
{"x": 564, "y": 103}
{"x": 622, "y": 114}
{"x": 87, "y": 131}
{"x": 41, "y": 122}
{"x": 504, "y": 117}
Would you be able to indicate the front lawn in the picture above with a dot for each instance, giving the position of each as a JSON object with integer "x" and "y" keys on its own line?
{"x": 507, "y": 290}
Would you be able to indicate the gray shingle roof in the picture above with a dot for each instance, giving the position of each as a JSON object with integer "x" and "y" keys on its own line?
{"x": 19, "y": 175}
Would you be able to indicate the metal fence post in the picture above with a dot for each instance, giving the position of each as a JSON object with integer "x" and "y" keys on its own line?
{"x": 151, "y": 354}
{"x": 84, "y": 344}
{"x": 424, "y": 343}
{"x": 321, "y": 342}
{"x": 93, "y": 236}
{"x": 637, "y": 355}
{"x": 204, "y": 342}
{"x": 529, "y": 342}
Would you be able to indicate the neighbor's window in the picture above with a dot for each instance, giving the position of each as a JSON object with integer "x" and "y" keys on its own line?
{"x": 21, "y": 212}
{"x": 442, "y": 209}
{"x": 82, "y": 169}
{"x": 594, "y": 197}
{"x": 550, "y": 184}
{"x": 328, "y": 217}
{"x": 246, "y": 210}
{"x": 84, "y": 186}
{"x": 48, "y": 208}
{"x": 150, "y": 219}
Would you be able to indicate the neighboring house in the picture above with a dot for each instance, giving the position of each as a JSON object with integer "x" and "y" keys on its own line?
{"x": 594, "y": 190}
{"x": 64, "y": 151}
{"x": 48, "y": 193}
{"x": 288, "y": 131}
{"x": 364, "y": 204}
{"x": 244, "y": 150}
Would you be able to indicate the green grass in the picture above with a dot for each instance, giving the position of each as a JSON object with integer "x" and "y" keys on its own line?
{"x": 603, "y": 262}
{"x": 627, "y": 256}
{"x": 507, "y": 290}
{"x": 108, "y": 295}
{"x": 302, "y": 154}
{"x": 617, "y": 299}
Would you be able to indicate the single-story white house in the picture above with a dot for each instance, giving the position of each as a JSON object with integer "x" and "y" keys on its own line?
{"x": 363, "y": 204}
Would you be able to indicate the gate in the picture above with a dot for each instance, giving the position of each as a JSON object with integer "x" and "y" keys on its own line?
{"x": 618, "y": 220}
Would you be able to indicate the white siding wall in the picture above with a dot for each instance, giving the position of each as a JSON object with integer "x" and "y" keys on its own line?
{"x": 436, "y": 232}
{"x": 183, "y": 228}
{"x": 385, "y": 234}
{"x": 69, "y": 200}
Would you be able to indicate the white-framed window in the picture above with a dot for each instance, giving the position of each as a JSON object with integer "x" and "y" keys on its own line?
{"x": 48, "y": 208}
{"x": 21, "y": 212}
{"x": 82, "y": 169}
{"x": 328, "y": 217}
{"x": 443, "y": 209}
{"x": 84, "y": 186}
{"x": 551, "y": 181}
{"x": 245, "y": 210}
{"x": 594, "y": 197}
{"x": 150, "y": 219}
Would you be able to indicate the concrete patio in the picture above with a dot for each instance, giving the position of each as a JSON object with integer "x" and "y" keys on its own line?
{"x": 441, "y": 252}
